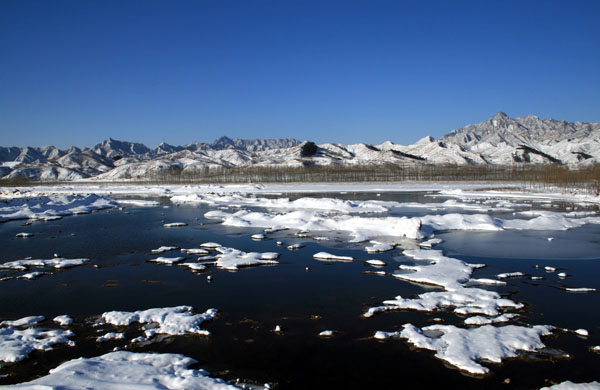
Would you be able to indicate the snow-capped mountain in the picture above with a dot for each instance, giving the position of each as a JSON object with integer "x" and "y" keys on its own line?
{"x": 499, "y": 140}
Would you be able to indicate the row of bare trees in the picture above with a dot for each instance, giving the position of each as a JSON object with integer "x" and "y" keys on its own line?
{"x": 585, "y": 178}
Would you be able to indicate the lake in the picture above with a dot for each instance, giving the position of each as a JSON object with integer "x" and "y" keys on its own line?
{"x": 302, "y": 295}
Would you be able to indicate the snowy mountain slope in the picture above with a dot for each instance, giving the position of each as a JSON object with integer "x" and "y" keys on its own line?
{"x": 499, "y": 140}
{"x": 504, "y": 140}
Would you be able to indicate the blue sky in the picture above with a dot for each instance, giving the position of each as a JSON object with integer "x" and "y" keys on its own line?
{"x": 77, "y": 72}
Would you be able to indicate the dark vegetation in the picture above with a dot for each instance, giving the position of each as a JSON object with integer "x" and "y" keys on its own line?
{"x": 552, "y": 175}
{"x": 309, "y": 149}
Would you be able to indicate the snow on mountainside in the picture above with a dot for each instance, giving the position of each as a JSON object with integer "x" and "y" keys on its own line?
{"x": 499, "y": 140}
{"x": 505, "y": 140}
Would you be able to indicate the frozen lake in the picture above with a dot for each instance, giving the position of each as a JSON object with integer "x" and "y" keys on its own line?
{"x": 553, "y": 243}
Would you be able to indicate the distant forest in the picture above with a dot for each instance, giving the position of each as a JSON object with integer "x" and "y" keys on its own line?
{"x": 583, "y": 178}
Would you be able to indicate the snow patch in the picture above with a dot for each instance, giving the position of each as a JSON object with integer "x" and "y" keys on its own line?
{"x": 127, "y": 370}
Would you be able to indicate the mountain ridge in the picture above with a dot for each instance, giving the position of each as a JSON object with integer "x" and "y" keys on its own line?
{"x": 499, "y": 140}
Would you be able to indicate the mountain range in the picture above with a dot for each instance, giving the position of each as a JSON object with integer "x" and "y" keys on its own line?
{"x": 500, "y": 140}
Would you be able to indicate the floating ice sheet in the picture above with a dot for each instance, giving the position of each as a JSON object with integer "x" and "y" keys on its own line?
{"x": 568, "y": 385}
{"x": 17, "y": 344}
{"x": 57, "y": 263}
{"x": 464, "y": 348}
{"x": 330, "y": 257}
{"x": 52, "y": 207}
{"x": 126, "y": 370}
{"x": 169, "y": 320}
{"x": 233, "y": 259}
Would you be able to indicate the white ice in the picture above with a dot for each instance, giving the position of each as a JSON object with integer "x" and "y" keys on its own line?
{"x": 16, "y": 344}
{"x": 138, "y": 202}
{"x": 25, "y": 321}
{"x": 568, "y": 385}
{"x": 326, "y": 333}
{"x": 57, "y": 263}
{"x": 376, "y": 263}
{"x": 431, "y": 242}
{"x": 580, "y": 289}
{"x": 168, "y": 260}
{"x": 507, "y": 275}
{"x": 380, "y": 247}
{"x": 126, "y": 370}
{"x": 169, "y": 320}
{"x": 364, "y": 228}
{"x": 233, "y": 259}
{"x": 330, "y": 257}
{"x": 164, "y": 249}
{"x": 174, "y": 224}
{"x": 438, "y": 269}
{"x": 194, "y": 266}
{"x": 110, "y": 336}
{"x": 195, "y": 251}
{"x": 463, "y": 301}
{"x": 63, "y": 320}
{"x": 52, "y": 206}
{"x": 464, "y": 348}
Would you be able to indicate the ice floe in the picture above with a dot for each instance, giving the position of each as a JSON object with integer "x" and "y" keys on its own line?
{"x": 568, "y": 385}
{"x": 195, "y": 251}
{"x": 174, "y": 224}
{"x": 194, "y": 266}
{"x": 138, "y": 202}
{"x": 580, "y": 289}
{"x": 380, "y": 247}
{"x": 463, "y": 301}
{"x": 431, "y": 242}
{"x": 451, "y": 274}
{"x": 17, "y": 344}
{"x": 168, "y": 260}
{"x": 464, "y": 348}
{"x": 330, "y": 257}
{"x": 233, "y": 259}
{"x": 210, "y": 245}
{"x": 110, "y": 336}
{"x": 169, "y": 320}
{"x": 63, "y": 320}
{"x": 325, "y": 204}
{"x": 367, "y": 228}
{"x": 361, "y": 228}
{"x": 126, "y": 370}
{"x": 52, "y": 207}
{"x": 480, "y": 320}
{"x": 164, "y": 249}
{"x": 486, "y": 281}
{"x": 438, "y": 270}
{"x": 25, "y": 321}
{"x": 376, "y": 263}
{"x": 507, "y": 275}
{"x": 57, "y": 263}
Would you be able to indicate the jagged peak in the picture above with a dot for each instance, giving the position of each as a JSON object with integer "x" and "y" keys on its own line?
{"x": 499, "y": 115}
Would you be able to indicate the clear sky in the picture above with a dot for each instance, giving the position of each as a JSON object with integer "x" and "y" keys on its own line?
{"x": 77, "y": 72}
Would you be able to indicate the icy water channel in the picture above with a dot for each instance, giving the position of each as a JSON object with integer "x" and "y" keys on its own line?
{"x": 301, "y": 295}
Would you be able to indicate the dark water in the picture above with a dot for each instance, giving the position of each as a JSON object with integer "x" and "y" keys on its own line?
{"x": 331, "y": 295}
